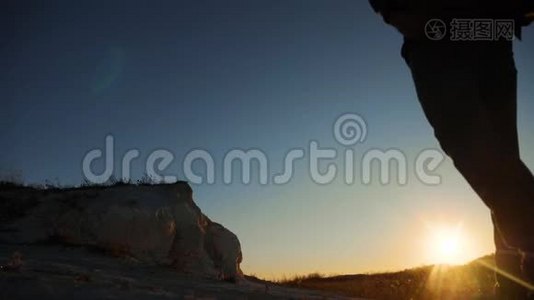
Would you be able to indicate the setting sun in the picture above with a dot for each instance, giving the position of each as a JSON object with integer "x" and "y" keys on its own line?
{"x": 447, "y": 244}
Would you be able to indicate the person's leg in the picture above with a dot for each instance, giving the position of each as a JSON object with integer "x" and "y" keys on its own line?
{"x": 468, "y": 94}
{"x": 510, "y": 190}
{"x": 515, "y": 217}
{"x": 508, "y": 263}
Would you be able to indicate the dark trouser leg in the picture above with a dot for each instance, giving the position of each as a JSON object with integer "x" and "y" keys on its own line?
{"x": 508, "y": 262}
{"x": 468, "y": 94}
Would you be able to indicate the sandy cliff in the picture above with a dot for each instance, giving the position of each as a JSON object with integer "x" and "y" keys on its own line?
{"x": 157, "y": 224}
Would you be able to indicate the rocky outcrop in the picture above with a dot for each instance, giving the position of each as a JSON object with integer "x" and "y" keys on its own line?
{"x": 157, "y": 224}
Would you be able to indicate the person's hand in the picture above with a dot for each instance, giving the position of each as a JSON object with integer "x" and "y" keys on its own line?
{"x": 411, "y": 25}
{"x": 529, "y": 17}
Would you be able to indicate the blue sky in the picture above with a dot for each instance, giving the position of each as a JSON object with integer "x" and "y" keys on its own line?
{"x": 221, "y": 75}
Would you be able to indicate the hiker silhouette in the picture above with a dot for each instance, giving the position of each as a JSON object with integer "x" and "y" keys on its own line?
{"x": 461, "y": 59}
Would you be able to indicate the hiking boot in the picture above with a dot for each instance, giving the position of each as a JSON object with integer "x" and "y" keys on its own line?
{"x": 527, "y": 267}
{"x": 508, "y": 263}
{"x": 510, "y": 292}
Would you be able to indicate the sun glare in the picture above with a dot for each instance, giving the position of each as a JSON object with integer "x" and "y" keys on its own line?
{"x": 447, "y": 245}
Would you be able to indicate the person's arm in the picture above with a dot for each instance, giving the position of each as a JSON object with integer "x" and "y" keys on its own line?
{"x": 410, "y": 24}
{"x": 528, "y": 13}
{"x": 382, "y": 7}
